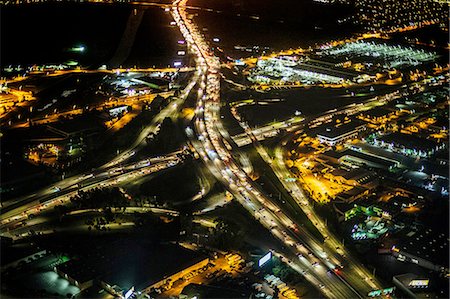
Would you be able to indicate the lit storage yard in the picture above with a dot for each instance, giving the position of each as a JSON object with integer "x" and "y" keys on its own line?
{"x": 162, "y": 155}
{"x": 395, "y": 56}
{"x": 285, "y": 71}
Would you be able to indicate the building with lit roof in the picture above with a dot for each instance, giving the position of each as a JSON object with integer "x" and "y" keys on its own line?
{"x": 126, "y": 264}
{"x": 333, "y": 135}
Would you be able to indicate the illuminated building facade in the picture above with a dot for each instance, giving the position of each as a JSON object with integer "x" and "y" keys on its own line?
{"x": 338, "y": 134}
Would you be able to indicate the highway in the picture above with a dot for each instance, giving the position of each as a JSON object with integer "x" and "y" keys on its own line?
{"x": 209, "y": 138}
{"x": 320, "y": 263}
{"x": 332, "y": 246}
{"x": 153, "y": 128}
{"x": 295, "y": 123}
{"x": 266, "y": 131}
{"x": 61, "y": 192}
{"x": 20, "y": 208}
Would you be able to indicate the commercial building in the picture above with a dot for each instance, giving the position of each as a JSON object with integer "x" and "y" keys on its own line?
{"x": 61, "y": 140}
{"x": 205, "y": 291}
{"x": 126, "y": 264}
{"x": 369, "y": 160}
{"x": 333, "y": 135}
{"x": 409, "y": 144}
{"x": 353, "y": 177}
{"x": 413, "y": 285}
{"x": 377, "y": 115}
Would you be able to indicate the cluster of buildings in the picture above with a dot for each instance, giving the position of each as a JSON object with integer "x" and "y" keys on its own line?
{"x": 376, "y": 168}
{"x": 136, "y": 268}
{"x": 121, "y": 266}
{"x": 295, "y": 70}
{"x": 60, "y": 142}
{"x": 341, "y": 64}
{"x": 376, "y": 15}
{"x": 388, "y": 219}
{"x": 392, "y": 153}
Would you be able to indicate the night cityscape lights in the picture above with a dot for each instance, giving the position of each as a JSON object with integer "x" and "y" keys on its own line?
{"x": 227, "y": 149}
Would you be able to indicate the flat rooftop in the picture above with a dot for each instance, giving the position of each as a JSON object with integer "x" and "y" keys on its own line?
{"x": 331, "y": 131}
{"x": 79, "y": 124}
{"x": 409, "y": 141}
{"x": 354, "y": 174}
{"x": 377, "y": 112}
{"x": 372, "y": 159}
{"x": 128, "y": 263}
{"x": 209, "y": 291}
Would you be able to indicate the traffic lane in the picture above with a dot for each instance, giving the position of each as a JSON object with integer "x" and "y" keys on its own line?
{"x": 23, "y": 211}
{"x": 213, "y": 137}
{"x": 326, "y": 279}
{"x": 68, "y": 183}
{"x": 71, "y": 184}
{"x": 333, "y": 247}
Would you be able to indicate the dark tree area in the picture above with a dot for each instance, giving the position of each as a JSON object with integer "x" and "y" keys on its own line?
{"x": 106, "y": 146}
{"x": 158, "y": 103}
{"x": 150, "y": 226}
{"x": 179, "y": 184}
{"x": 169, "y": 138}
{"x": 284, "y": 272}
{"x": 100, "y": 199}
{"x": 227, "y": 235}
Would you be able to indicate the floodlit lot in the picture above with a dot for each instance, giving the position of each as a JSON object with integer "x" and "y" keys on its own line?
{"x": 390, "y": 55}
{"x": 283, "y": 71}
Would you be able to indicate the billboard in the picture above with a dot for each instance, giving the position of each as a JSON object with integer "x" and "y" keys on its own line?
{"x": 421, "y": 283}
{"x": 265, "y": 259}
{"x": 377, "y": 293}
{"x": 129, "y": 293}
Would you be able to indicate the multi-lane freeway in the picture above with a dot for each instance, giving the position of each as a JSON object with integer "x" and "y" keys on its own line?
{"x": 318, "y": 263}
{"x": 20, "y": 209}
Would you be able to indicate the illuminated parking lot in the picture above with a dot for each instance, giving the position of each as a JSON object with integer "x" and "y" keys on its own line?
{"x": 391, "y": 55}
{"x": 275, "y": 70}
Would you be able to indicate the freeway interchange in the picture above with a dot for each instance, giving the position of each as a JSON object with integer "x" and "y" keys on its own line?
{"x": 20, "y": 209}
{"x": 109, "y": 174}
{"x": 327, "y": 265}
{"x": 319, "y": 264}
